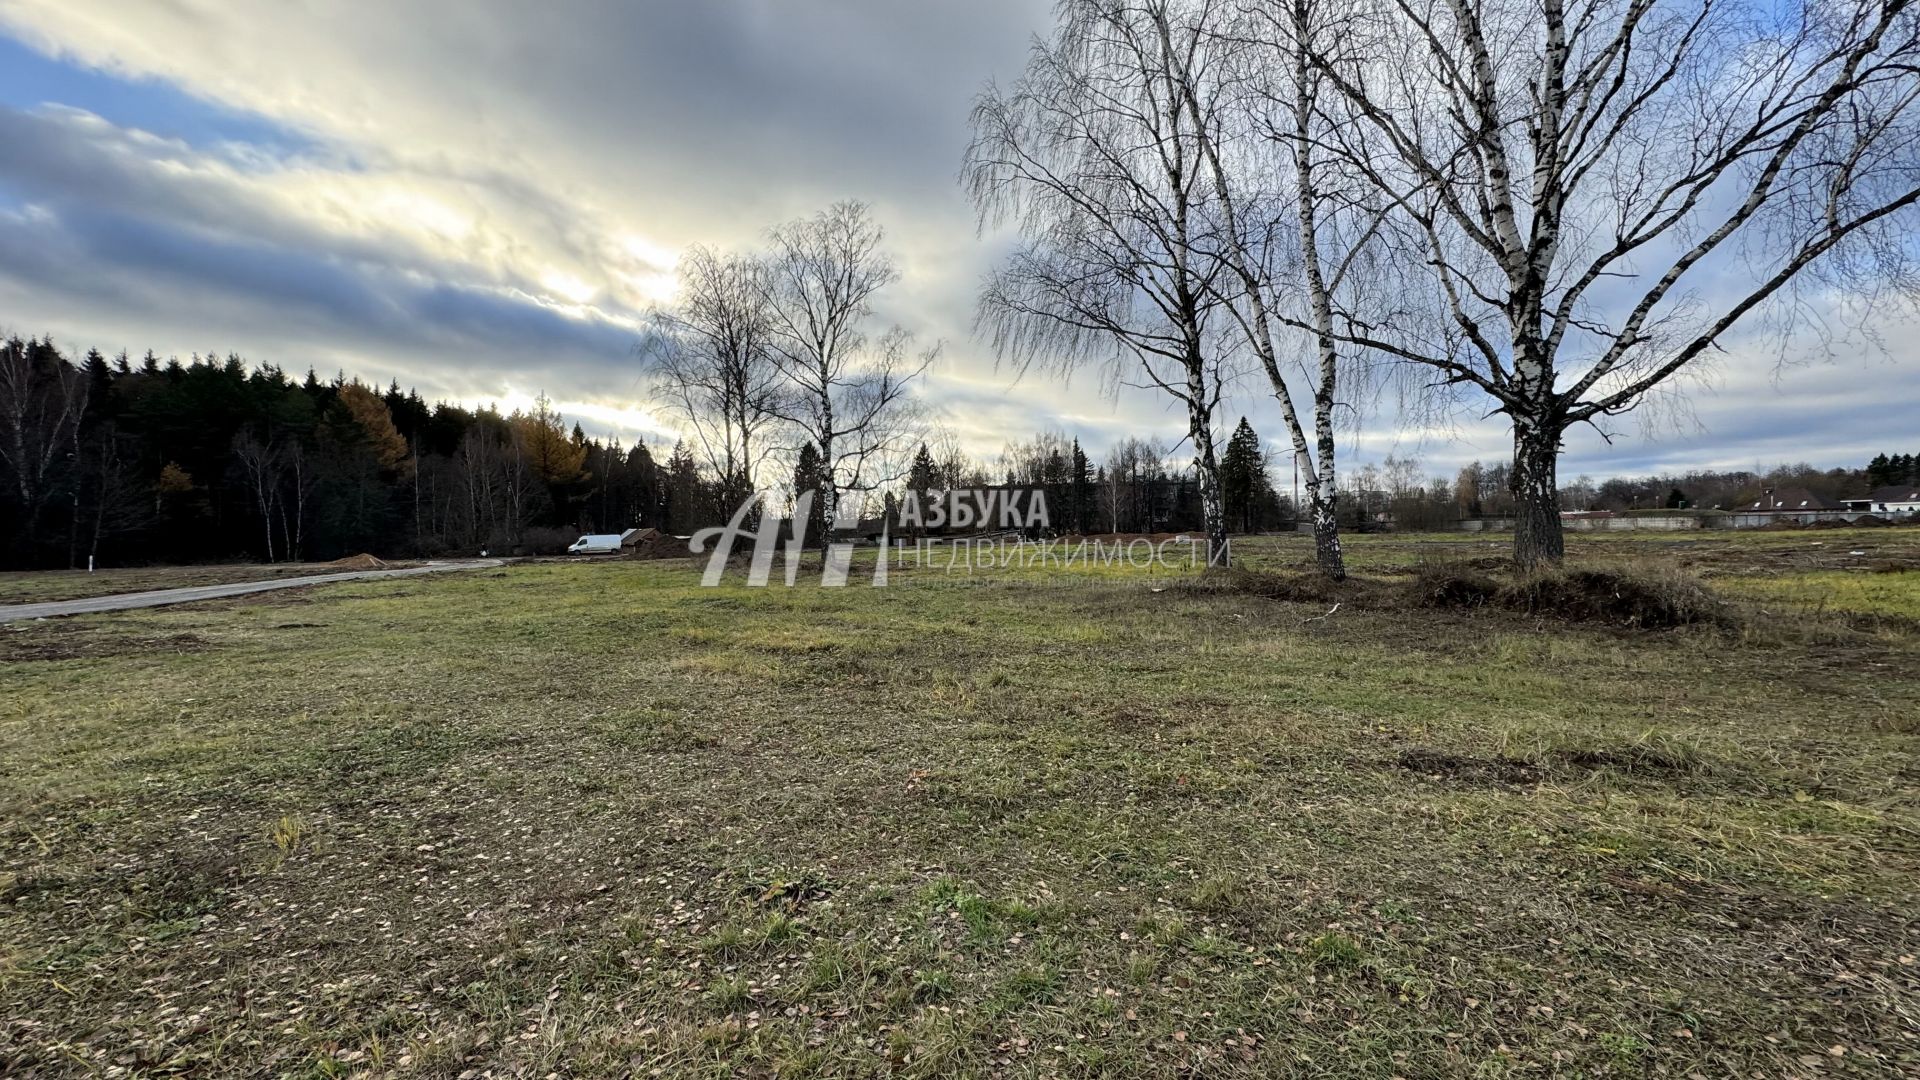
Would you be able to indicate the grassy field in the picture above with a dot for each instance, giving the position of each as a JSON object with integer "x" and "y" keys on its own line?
{"x": 596, "y": 820}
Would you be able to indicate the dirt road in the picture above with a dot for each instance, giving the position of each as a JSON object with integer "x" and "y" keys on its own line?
{"x": 156, "y": 598}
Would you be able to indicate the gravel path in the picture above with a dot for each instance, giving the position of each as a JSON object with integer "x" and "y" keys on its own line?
{"x": 122, "y": 601}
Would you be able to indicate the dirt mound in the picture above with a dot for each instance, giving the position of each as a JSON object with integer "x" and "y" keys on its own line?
{"x": 1625, "y": 599}
{"x": 362, "y": 561}
{"x": 1454, "y": 587}
{"x": 1870, "y": 521}
{"x": 1644, "y": 601}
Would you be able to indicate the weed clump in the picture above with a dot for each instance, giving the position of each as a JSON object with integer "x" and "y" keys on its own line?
{"x": 1449, "y": 585}
{"x": 1643, "y": 600}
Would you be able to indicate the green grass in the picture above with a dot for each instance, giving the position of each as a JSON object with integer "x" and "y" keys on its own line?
{"x": 1862, "y": 591}
{"x": 596, "y": 820}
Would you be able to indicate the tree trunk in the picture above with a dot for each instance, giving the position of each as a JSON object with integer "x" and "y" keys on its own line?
{"x": 1326, "y": 533}
{"x": 73, "y": 526}
{"x": 1537, "y": 537}
{"x": 1212, "y": 509}
{"x": 829, "y": 491}
{"x": 266, "y": 520}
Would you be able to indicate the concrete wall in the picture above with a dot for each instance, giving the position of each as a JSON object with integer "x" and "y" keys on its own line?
{"x": 1796, "y": 517}
{"x": 1665, "y": 523}
{"x": 1672, "y": 522}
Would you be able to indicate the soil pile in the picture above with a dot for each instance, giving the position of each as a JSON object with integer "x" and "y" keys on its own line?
{"x": 362, "y": 561}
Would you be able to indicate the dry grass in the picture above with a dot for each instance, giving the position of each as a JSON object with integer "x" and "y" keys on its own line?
{"x": 596, "y": 820}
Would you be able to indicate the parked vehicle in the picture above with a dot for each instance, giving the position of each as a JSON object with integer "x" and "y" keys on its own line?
{"x": 596, "y": 544}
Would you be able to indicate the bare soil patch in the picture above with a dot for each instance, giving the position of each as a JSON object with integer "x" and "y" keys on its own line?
{"x": 67, "y": 641}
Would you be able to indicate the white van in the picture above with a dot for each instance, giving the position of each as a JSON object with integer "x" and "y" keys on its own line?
{"x": 596, "y": 544}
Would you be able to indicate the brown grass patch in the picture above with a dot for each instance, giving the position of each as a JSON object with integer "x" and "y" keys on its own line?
{"x": 1295, "y": 588}
{"x": 63, "y": 641}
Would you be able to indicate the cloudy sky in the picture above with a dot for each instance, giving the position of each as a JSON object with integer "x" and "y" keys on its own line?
{"x": 481, "y": 199}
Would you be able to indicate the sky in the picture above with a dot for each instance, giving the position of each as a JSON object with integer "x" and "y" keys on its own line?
{"x": 482, "y": 199}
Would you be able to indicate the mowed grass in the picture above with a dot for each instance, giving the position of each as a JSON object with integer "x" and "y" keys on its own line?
{"x": 597, "y": 820}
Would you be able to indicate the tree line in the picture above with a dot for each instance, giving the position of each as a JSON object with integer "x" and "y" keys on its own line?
{"x": 126, "y": 462}
{"x": 1888, "y": 470}
{"x": 1138, "y": 487}
{"x": 151, "y": 461}
{"x": 1397, "y": 491}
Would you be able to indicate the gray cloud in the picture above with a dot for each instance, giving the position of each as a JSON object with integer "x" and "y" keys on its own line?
{"x": 485, "y": 192}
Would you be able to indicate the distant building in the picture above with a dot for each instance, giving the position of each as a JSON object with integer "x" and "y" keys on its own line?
{"x": 1789, "y": 501}
{"x": 1895, "y": 499}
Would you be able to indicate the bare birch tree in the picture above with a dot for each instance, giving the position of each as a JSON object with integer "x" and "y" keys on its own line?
{"x": 850, "y": 395}
{"x": 302, "y": 478}
{"x": 263, "y": 464}
{"x": 1599, "y": 191}
{"x": 711, "y": 354}
{"x": 1296, "y": 232}
{"x": 1092, "y": 155}
{"x": 43, "y": 402}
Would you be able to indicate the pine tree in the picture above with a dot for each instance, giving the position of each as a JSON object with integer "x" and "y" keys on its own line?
{"x": 1080, "y": 493}
{"x": 99, "y": 385}
{"x": 1243, "y": 478}
{"x": 685, "y": 507}
{"x": 1880, "y": 471}
{"x": 923, "y": 478}
{"x": 810, "y": 474}
{"x": 643, "y": 478}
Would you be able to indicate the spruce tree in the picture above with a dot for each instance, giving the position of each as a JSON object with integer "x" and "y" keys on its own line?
{"x": 1879, "y": 471}
{"x": 810, "y": 474}
{"x": 923, "y": 478}
{"x": 1081, "y": 493}
{"x": 1242, "y": 477}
